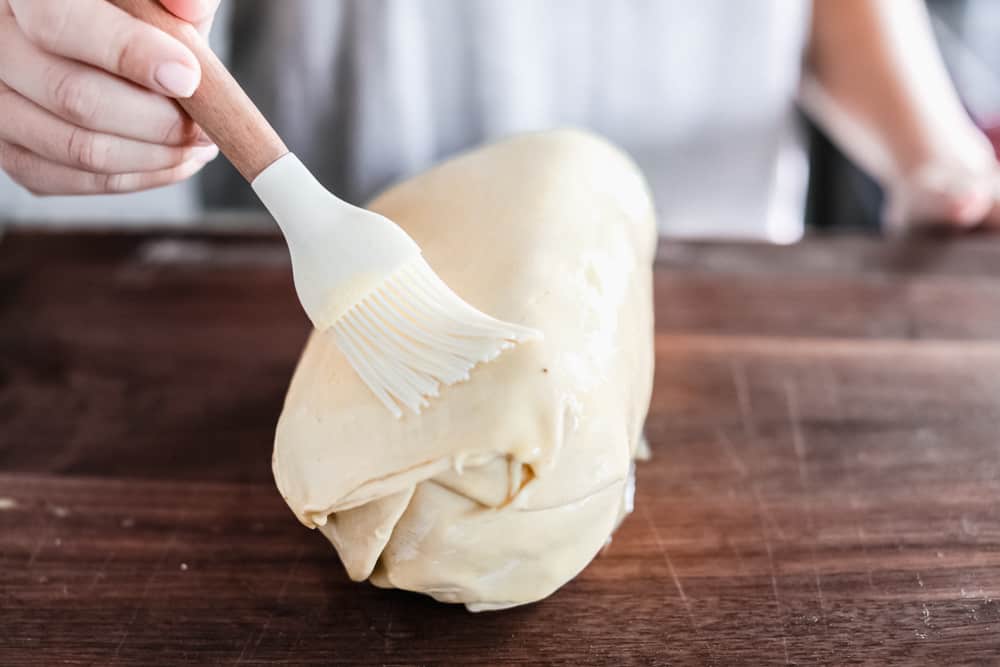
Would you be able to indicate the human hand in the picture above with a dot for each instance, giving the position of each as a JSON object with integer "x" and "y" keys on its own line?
{"x": 85, "y": 94}
{"x": 949, "y": 195}
{"x": 954, "y": 184}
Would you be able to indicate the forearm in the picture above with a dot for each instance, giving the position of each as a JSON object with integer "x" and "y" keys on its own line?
{"x": 876, "y": 83}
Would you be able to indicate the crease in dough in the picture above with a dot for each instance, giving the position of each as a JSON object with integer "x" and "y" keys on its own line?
{"x": 510, "y": 483}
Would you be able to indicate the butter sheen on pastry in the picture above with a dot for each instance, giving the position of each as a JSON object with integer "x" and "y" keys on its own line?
{"x": 508, "y": 484}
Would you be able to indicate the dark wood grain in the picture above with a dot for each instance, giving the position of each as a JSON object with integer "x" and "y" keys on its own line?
{"x": 823, "y": 489}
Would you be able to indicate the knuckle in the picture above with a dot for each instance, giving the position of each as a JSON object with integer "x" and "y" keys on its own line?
{"x": 84, "y": 151}
{"x": 44, "y": 21}
{"x": 112, "y": 183}
{"x": 180, "y": 130}
{"x": 124, "y": 54}
{"x": 102, "y": 182}
{"x": 176, "y": 133}
{"x": 74, "y": 99}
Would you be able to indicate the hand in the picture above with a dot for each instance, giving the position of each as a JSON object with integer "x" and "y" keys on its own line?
{"x": 961, "y": 197}
{"x": 85, "y": 94}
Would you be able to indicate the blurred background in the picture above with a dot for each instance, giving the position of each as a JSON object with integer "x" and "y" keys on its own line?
{"x": 668, "y": 81}
{"x": 841, "y": 196}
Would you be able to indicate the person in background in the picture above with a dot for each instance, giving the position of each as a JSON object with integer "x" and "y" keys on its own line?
{"x": 702, "y": 93}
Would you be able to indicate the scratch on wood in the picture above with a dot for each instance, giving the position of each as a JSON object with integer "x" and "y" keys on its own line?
{"x": 243, "y": 652}
{"x": 765, "y": 513}
{"x": 45, "y": 529}
{"x": 167, "y": 547}
{"x": 862, "y": 539}
{"x": 771, "y": 570}
{"x": 294, "y": 644}
{"x": 279, "y": 599}
{"x": 799, "y": 444}
{"x": 730, "y": 450}
{"x": 743, "y": 398}
{"x": 819, "y": 590}
{"x": 833, "y": 391}
{"x": 37, "y": 549}
{"x": 739, "y": 556}
{"x": 862, "y": 536}
{"x": 777, "y": 597}
{"x": 770, "y": 567}
{"x": 798, "y": 439}
{"x": 387, "y": 637}
{"x": 291, "y": 573}
{"x": 677, "y": 581}
{"x": 670, "y": 565}
{"x": 100, "y": 572}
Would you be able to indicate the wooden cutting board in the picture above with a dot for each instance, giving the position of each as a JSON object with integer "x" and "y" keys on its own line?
{"x": 824, "y": 488}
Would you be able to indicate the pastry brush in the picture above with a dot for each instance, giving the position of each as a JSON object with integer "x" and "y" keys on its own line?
{"x": 358, "y": 275}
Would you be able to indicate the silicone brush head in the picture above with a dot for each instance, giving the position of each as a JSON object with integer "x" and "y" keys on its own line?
{"x": 413, "y": 333}
{"x": 360, "y": 276}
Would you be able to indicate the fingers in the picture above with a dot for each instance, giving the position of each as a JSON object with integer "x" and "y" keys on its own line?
{"x": 54, "y": 139}
{"x": 97, "y": 33}
{"x": 969, "y": 208}
{"x": 89, "y": 98}
{"x": 44, "y": 177}
{"x": 992, "y": 219}
{"x": 937, "y": 196}
{"x": 197, "y": 12}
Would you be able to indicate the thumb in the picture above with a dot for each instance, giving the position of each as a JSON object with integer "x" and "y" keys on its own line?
{"x": 199, "y": 13}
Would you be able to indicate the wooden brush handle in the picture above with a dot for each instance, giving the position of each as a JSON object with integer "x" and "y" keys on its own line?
{"x": 219, "y": 106}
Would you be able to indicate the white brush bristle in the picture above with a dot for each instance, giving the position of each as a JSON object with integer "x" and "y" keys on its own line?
{"x": 413, "y": 334}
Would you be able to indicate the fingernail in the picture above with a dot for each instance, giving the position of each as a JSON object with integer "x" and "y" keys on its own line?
{"x": 177, "y": 79}
{"x": 204, "y": 153}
